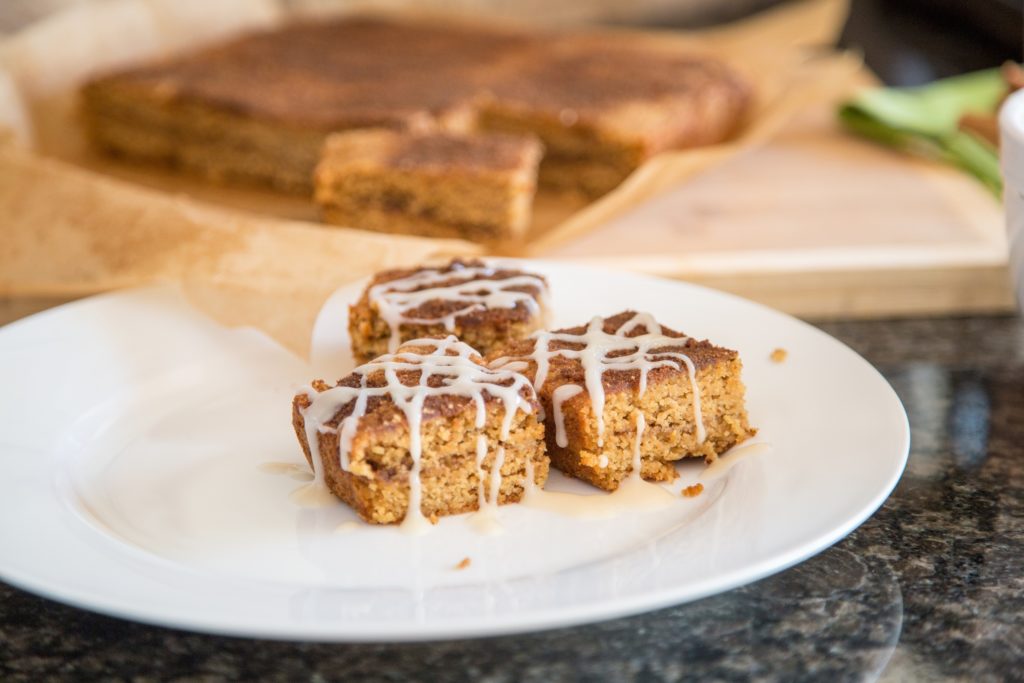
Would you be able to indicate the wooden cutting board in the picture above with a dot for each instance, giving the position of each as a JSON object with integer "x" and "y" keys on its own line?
{"x": 816, "y": 223}
{"x": 820, "y": 224}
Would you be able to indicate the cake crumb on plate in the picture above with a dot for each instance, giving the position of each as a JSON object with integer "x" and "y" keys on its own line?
{"x": 693, "y": 491}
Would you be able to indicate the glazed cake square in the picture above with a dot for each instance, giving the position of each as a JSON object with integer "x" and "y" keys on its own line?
{"x": 428, "y": 430}
{"x": 435, "y": 184}
{"x": 486, "y": 306}
{"x": 625, "y": 391}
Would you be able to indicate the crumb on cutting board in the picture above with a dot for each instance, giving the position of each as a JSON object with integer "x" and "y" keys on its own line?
{"x": 464, "y": 563}
{"x": 779, "y": 355}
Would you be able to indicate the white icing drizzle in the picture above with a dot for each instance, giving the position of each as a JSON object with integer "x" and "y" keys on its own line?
{"x": 481, "y": 453}
{"x": 450, "y": 360}
{"x": 529, "y": 486}
{"x": 291, "y": 469}
{"x": 726, "y": 461}
{"x": 698, "y": 413}
{"x": 633, "y": 496}
{"x": 486, "y": 518}
{"x": 499, "y": 460}
{"x": 558, "y": 397}
{"x": 396, "y": 300}
{"x": 641, "y": 319}
{"x": 643, "y": 352}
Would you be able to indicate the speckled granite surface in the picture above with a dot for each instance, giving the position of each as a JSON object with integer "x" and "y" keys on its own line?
{"x": 930, "y": 588}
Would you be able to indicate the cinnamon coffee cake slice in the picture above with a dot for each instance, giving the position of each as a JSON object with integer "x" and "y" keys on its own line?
{"x": 486, "y": 306}
{"x": 422, "y": 433}
{"x": 624, "y": 394}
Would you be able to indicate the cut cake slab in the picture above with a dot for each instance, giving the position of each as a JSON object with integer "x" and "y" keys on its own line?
{"x": 602, "y": 105}
{"x": 259, "y": 108}
{"x": 435, "y": 184}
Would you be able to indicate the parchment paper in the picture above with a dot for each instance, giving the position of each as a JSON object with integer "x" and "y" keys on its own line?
{"x": 77, "y": 224}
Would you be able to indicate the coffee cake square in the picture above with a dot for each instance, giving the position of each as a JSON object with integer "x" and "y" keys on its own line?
{"x": 476, "y": 187}
{"x": 486, "y": 306}
{"x": 624, "y": 392}
{"x": 422, "y": 433}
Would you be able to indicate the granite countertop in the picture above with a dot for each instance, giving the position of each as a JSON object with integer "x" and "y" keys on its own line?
{"x": 930, "y": 588}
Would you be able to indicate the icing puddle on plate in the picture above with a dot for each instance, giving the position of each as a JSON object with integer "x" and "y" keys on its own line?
{"x": 633, "y": 496}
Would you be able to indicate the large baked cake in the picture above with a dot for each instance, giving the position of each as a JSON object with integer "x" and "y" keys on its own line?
{"x": 260, "y": 107}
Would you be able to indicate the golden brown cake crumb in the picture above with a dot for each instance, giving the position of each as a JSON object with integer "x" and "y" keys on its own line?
{"x": 485, "y": 306}
{"x": 358, "y": 435}
{"x": 464, "y": 563}
{"x": 693, "y": 491}
{"x": 647, "y": 399}
{"x": 779, "y": 355}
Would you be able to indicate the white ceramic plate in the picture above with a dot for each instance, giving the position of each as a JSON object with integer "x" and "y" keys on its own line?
{"x": 147, "y": 466}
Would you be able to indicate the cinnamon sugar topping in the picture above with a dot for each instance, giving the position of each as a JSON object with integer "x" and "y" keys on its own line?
{"x": 471, "y": 288}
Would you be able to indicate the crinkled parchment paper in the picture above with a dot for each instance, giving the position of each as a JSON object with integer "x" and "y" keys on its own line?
{"x": 76, "y": 224}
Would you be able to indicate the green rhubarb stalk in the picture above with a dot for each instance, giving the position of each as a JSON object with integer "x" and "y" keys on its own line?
{"x": 924, "y": 121}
